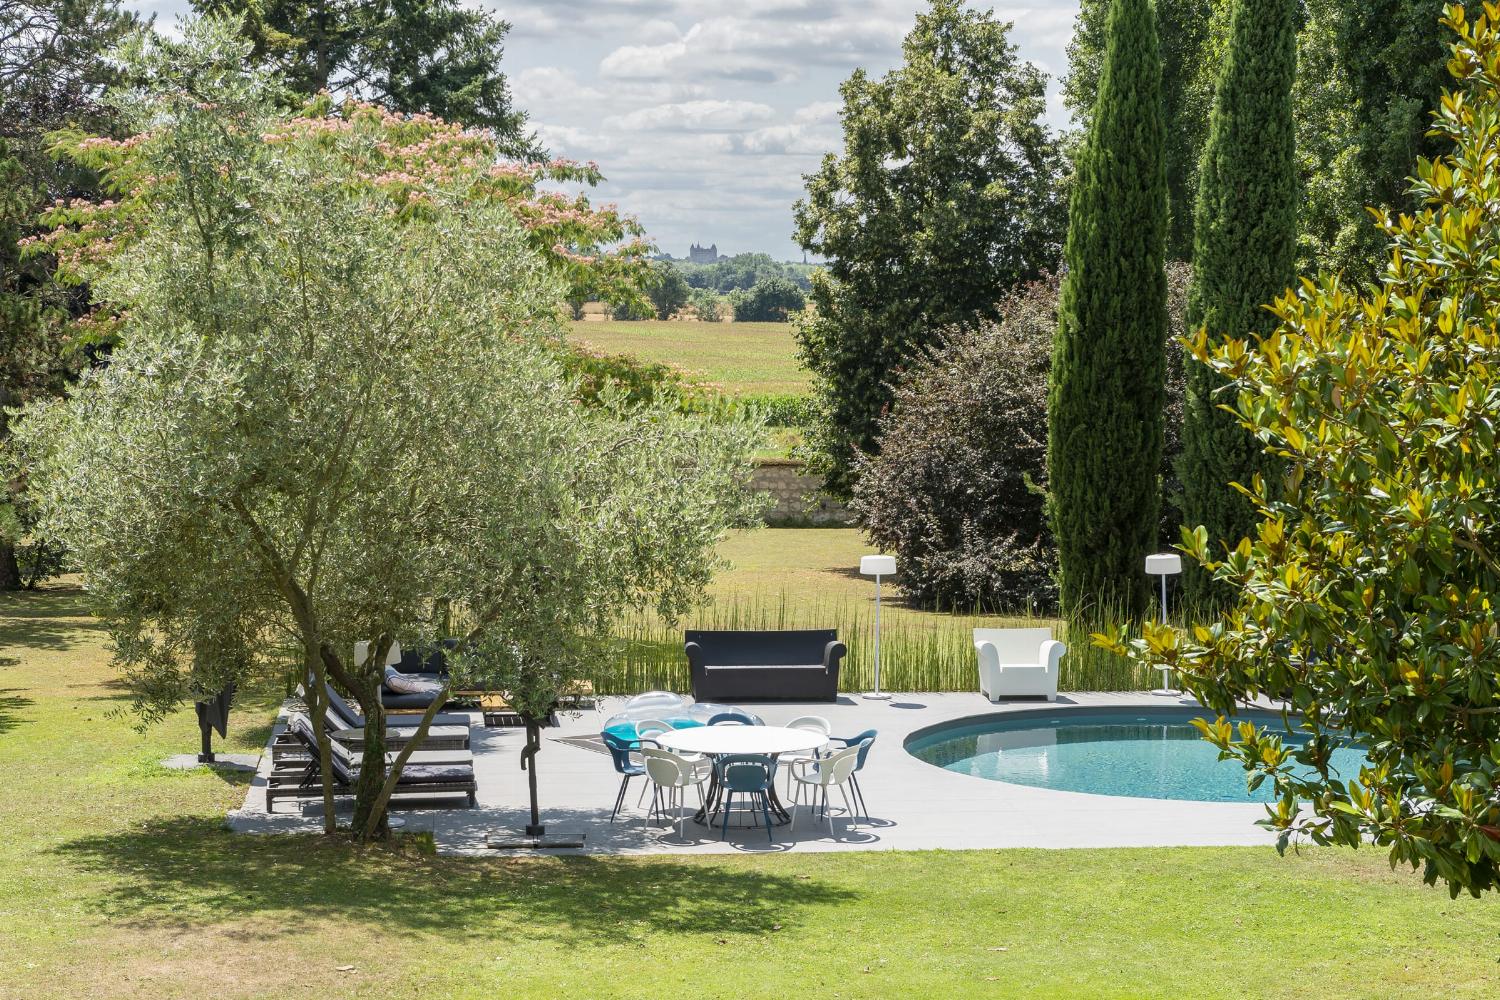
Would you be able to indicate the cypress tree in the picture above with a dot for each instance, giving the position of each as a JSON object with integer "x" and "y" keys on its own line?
{"x": 1106, "y": 394}
{"x": 1244, "y": 256}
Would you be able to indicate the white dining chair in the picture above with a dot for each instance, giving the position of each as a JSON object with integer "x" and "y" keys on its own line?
{"x": 810, "y": 723}
{"x": 817, "y": 776}
{"x": 669, "y": 775}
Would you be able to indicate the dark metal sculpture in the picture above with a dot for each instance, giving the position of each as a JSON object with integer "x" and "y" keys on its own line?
{"x": 213, "y": 713}
{"x": 535, "y": 835}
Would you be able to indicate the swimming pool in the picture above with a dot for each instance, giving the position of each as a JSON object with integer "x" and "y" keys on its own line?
{"x": 1153, "y": 754}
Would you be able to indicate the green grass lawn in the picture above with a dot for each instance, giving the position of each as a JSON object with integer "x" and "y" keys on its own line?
{"x": 740, "y": 358}
{"x": 118, "y": 880}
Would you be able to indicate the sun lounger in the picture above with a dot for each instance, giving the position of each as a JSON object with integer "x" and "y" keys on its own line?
{"x": 416, "y": 781}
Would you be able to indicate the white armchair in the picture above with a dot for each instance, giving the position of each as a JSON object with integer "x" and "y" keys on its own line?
{"x": 1018, "y": 661}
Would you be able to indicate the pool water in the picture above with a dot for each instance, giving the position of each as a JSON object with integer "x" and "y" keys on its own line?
{"x": 1153, "y": 755}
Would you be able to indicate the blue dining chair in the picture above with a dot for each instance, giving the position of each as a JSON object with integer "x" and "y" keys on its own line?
{"x": 729, "y": 719}
{"x": 864, "y": 740}
{"x": 621, "y": 751}
{"x": 750, "y": 775}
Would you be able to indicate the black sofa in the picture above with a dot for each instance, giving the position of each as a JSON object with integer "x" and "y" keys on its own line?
{"x": 786, "y": 665}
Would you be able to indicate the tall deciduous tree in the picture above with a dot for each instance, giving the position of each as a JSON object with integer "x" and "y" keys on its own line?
{"x": 1368, "y": 599}
{"x": 436, "y": 56}
{"x": 1106, "y": 393}
{"x": 1245, "y": 256}
{"x": 52, "y": 73}
{"x": 944, "y": 197}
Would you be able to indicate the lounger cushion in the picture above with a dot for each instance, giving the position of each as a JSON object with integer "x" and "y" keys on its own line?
{"x": 405, "y": 732}
{"x": 435, "y": 774}
{"x": 419, "y": 684}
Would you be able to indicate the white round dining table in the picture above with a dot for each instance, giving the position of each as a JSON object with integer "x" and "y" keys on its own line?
{"x": 720, "y": 740}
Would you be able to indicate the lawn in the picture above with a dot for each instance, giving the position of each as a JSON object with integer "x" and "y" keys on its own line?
{"x": 741, "y": 358}
{"x": 118, "y": 880}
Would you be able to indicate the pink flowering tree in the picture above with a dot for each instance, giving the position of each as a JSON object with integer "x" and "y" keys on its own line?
{"x": 409, "y": 160}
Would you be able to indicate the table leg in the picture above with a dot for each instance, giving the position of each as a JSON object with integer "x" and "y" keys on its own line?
{"x": 705, "y": 813}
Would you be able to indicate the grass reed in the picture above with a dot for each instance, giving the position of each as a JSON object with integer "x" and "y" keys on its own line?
{"x": 919, "y": 651}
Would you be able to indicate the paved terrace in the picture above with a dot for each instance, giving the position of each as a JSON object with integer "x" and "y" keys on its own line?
{"x": 913, "y": 805}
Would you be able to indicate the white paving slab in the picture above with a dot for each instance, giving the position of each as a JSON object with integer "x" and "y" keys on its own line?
{"x": 913, "y": 805}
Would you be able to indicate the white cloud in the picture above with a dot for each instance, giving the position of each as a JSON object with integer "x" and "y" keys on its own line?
{"x": 692, "y": 116}
{"x": 704, "y": 114}
{"x": 642, "y": 62}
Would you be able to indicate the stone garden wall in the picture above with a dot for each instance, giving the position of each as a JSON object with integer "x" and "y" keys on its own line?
{"x": 800, "y": 501}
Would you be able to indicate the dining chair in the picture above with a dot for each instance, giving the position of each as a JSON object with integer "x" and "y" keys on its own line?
{"x": 624, "y": 754}
{"x": 810, "y": 723}
{"x": 818, "y": 776}
{"x": 749, "y": 775}
{"x": 864, "y": 741}
{"x": 647, "y": 728}
{"x": 669, "y": 774}
{"x": 729, "y": 719}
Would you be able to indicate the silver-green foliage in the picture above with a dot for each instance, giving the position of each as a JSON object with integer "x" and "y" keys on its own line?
{"x": 326, "y": 422}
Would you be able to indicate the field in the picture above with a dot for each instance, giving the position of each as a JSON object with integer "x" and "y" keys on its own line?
{"x": 117, "y": 880}
{"x": 740, "y": 358}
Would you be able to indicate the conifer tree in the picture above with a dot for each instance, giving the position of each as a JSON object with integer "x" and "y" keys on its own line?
{"x": 1244, "y": 257}
{"x": 1106, "y": 393}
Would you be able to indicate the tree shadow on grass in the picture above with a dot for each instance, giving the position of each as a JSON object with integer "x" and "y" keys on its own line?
{"x": 10, "y": 705}
{"x": 52, "y": 619}
{"x": 184, "y": 871}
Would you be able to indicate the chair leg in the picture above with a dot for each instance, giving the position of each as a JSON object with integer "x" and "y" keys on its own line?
{"x": 826, "y": 814}
{"x": 859, "y": 797}
{"x": 796, "y": 796}
{"x": 728, "y": 802}
{"x": 765, "y": 808}
{"x": 848, "y": 807}
{"x": 619, "y": 798}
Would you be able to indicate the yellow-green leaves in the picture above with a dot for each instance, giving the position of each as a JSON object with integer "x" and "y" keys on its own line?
{"x": 1365, "y": 598}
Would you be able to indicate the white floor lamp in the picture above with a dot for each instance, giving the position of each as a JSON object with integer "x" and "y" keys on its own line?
{"x": 877, "y": 566}
{"x": 1164, "y": 564}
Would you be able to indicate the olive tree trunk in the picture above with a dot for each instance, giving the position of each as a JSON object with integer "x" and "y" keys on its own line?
{"x": 369, "y": 805}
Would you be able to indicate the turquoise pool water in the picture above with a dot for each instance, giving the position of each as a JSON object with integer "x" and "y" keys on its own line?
{"x": 1153, "y": 755}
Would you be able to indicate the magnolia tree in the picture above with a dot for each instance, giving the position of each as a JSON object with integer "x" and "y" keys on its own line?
{"x": 331, "y": 415}
{"x": 1369, "y": 596}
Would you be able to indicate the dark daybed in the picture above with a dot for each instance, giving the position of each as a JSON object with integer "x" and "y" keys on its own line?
{"x": 416, "y": 781}
{"x": 784, "y": 665}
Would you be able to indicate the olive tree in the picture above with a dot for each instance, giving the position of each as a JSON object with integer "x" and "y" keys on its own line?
{"x": 1368, "y": 598}
{"x": 331, "y": 416}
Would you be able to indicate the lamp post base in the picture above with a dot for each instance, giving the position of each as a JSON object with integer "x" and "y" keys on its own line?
{"x": 536, "y": 841}
{"x": 1166, "y": 675}
{"x": 876, "y": 696}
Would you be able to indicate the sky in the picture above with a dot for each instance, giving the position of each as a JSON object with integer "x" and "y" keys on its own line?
{"x": 705, "y": 115}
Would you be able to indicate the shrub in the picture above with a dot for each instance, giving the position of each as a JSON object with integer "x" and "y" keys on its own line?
{"x": 707, "y": 304}
{"x": 38, "y": 557}
{"x": 768, "y": 302}
{"x": 632, "y": 310}
{"x": 955, "y": 490}
{"x": 957, "y": 484}
{"x": 668, "y": 290}
{"x": 642, "y": 382}
{"x": 781, "y": 409}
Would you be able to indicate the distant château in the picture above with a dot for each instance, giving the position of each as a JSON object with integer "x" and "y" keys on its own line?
{"x": 704, "y": 255}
